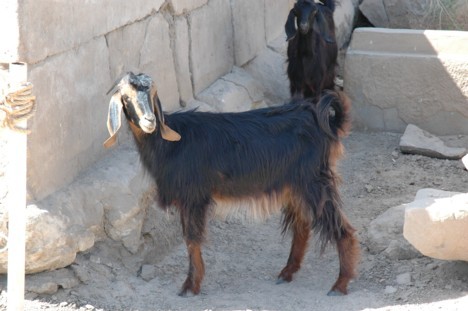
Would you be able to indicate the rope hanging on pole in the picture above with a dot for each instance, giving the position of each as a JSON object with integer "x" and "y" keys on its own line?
{"x": 18, "y": 106}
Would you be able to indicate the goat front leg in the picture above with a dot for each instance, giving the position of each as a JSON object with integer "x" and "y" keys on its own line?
{"x": 301, "y": 233}
{"x": 349, "y": 253}
{"x": 193, "y": 219}
{"x": 196, "y": 270}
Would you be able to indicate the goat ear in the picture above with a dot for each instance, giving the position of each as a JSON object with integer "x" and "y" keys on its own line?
{"x": 166, "y": 132}
{"x": 322, "y": 26}
{"x": 114, "y": 119}
{"x": 290, "y": 26}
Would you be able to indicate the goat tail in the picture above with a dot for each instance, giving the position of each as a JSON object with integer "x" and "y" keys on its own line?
{"x": 333, "y": 114}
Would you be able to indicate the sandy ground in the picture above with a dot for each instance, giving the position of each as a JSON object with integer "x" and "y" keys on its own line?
{"x": 243, "y": 259}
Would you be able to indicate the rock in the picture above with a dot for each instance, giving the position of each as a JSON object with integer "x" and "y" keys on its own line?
{"x": 49, "y": 282}
{"x": 418, "y": 141}
{"x": 416, "y": 14}
{"x": 148, "y": 272}
{"x": 435, "y": 222}
{"x": 225, "y": 96}
{"x": 390, "y": 290}
{"x": 404, "y": 279}
{"x": 385, "y": 235}
{"x": 465, "y": 161}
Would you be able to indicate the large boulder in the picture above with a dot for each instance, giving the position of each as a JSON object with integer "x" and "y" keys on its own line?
{"x": 416, "y": 14}
{"x": 436, "y": 223}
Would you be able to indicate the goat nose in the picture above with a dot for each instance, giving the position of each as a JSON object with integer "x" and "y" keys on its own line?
{"x": 304, "y": 27}
{"x": 149, "y": 117}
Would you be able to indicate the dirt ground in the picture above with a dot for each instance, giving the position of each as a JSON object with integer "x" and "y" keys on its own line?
{"x": 243, "y": 259}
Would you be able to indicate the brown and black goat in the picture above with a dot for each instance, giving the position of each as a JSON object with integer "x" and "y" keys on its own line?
{"x": 281, "y": 158}
{"x": 312, "y": 48}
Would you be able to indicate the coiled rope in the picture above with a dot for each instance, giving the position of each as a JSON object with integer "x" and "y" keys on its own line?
{"x": 18, "y": 106}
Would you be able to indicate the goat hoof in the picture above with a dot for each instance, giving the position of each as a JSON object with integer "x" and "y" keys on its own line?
{"x": 281, "y": 280}
{"x": 334, "y": 293}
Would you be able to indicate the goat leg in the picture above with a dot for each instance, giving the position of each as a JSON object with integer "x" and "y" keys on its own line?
{"x": 348, "y": 252}
{"x": 196, "y": 270}
{"x": 301, "y": 233}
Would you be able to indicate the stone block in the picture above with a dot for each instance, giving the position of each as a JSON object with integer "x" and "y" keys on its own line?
{"x": 436, "y": 222}
{"x": 420, "y": 74}
{"x": 374, "y": 11}
{"x": 240, "y": 77}
{"x": 181, "y": 54}
{"x": 276, "y": 13}
{"x": 110, "y": 200}
{"x": 344, "y": 16}
{"x": 248, "y": 19}
{"x": 211, "y": 37}
{"x": 269, "y": 68}
{"x": 180, "y": 7}
{"x": 157, "y": 60}
{"x": 69, "y": 125}
{"x": 225, "y": 96}
{"x": 51, "y": 27}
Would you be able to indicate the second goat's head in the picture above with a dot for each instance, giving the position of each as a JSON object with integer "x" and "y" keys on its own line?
{"x": 307, "y": 16}
{"x": 136, "y": 96}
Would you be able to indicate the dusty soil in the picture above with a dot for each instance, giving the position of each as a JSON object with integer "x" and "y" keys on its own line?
{"x": 243, "y": 259}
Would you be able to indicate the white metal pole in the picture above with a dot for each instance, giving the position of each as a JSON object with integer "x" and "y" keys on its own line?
{"x": 16, "y": 200}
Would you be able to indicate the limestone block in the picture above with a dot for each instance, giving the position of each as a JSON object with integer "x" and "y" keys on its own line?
{"x": 69, "y": 125}
{"x": 418, "y": 141}
{"x": 420, "y": 74}
{"x": 110, "y": 200}
{"x": 385, "y": 235}
{"x": 374, "y": 11}
{"x": 185, "y": 6}
{"x": 240, "y": 77}
{"x": 157, "y": 60}
{"x": 51, "y": 27}
{"x": 211, "y": 35}
{"x": 436, "y": 223}
{"x": 269, "y": 68}
{"x": 199, "y": 106}
{"x": 249, "y": 29}
{"x": 226, "y": 96}
{"x": 344, "y": 16}
{"x": 181, "y": 54}
{"x": 465, "y": 161}
{"x": 276, "y": 13}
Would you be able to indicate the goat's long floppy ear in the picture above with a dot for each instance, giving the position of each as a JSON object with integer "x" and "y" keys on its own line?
{"x": 290, "y": 26}
{"x": 323, "y": 27}
{"x": 166, "y": 132}
{"x": 114, "y": 119}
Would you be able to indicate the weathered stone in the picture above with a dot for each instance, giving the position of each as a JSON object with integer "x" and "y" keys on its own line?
{"x": 385, "y": 235}
{"x": 389, "y": 69}
{"x": 111, "y": 199}
{"x": 148, "y": 272}
{"x": 374, "y": 11}
{"x": 185, "y": 6}
{"x": 49, "y": 282}
{"x": 69, "y": 124}
{"x": 276, "y": 13}
{"x": 199, "y": 106}
{"x": 269, "y": 68}
{"x": 418, "y": 141}
{"x": 343, "y": 17}
{"x": 182, "y": 65}
{"x": 240, "y": 77}
{"x": 248, "y": 19}
{"x": 211, "y": 35}
{"x": 404, "y": 278}
{"x": 62, "y": 33}
{"x": 156, "y": 60}
{"x": 435, "y": 223}
{"x": 226, "y": 96}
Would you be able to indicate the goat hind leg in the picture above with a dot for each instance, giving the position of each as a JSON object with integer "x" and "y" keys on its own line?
{"x": 196, "y": 270}
{"x": 348, "y": 252}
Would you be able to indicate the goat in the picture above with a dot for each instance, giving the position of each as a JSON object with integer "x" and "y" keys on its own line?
{"x": 312, "y": 51}
{"x": 281, "y": 158}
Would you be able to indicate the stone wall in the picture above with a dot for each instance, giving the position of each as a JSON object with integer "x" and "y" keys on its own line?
{"x": 219, "y": 55}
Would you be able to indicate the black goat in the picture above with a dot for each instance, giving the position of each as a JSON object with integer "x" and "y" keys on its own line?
{"x": 281, "y": 158}
{"x": 312, "y": 51}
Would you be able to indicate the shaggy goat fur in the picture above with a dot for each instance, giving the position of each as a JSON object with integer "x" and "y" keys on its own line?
{"x": 276, "y": 158}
